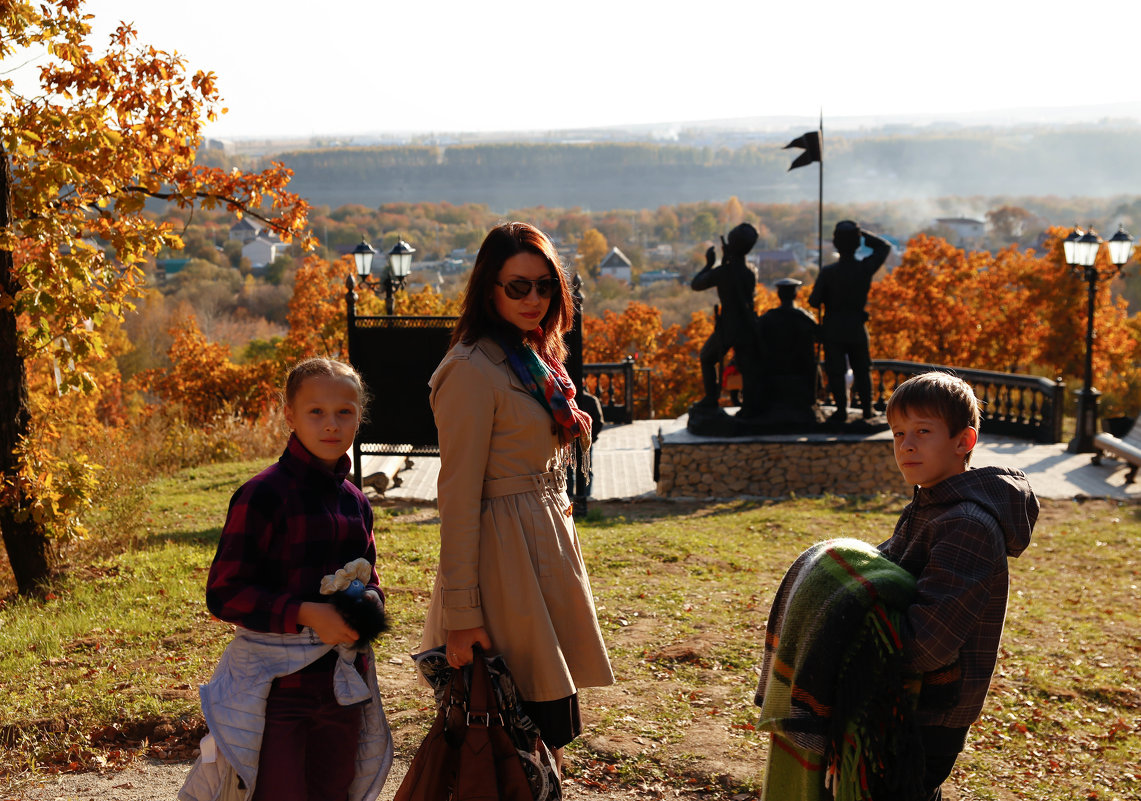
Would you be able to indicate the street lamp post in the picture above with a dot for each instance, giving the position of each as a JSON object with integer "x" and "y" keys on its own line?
{"x": 395, "y": 273}
{"x": 1081, "y": 249}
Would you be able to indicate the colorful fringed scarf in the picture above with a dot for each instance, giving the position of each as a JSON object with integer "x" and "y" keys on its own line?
{"x": 833, "y": 690}
{"x": 550, "y": 384}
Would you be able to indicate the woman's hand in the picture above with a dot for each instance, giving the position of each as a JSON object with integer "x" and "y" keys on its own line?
{"x": 459, "y": 645}
{"x": 327, "y": 622}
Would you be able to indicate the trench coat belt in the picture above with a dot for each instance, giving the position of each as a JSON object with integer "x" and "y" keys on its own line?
{"x": 536, "y": 482}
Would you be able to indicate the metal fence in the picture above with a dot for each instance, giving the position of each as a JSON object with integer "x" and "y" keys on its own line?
{"x": 1014, "y": 404}
{"x": 625, "y": 390}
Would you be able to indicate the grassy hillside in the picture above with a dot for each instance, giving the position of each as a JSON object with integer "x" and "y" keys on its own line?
{"x": 104, "y": 670}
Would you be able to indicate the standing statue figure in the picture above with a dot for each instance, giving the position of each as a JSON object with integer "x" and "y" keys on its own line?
{"x": 788, "y": 343}
{"x": 842, "y": 289}
{"x": 735, "y": 326}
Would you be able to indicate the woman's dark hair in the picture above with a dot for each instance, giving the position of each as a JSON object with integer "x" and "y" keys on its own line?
{"x": 478, "y": 316}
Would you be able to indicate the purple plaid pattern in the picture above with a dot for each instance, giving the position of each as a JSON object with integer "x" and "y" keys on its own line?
{"x": 955, "y": 538}
{"x": 287, "y": 527}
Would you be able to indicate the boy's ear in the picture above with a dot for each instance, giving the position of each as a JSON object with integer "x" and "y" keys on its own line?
{"x": 967, "y": 440}
{"x": 288, "y": 416}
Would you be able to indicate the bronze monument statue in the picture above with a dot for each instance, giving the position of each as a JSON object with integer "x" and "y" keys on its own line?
{"x": 736, "y": 324}
{"x": 788, "y": 336}
{"x": 842, "y": 290}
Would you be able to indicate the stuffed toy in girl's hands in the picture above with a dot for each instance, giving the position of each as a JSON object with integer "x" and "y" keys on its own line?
{"x": 361, "y": 607}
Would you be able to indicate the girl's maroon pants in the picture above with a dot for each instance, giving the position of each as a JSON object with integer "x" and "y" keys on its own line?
{"x": 309, "y": 749}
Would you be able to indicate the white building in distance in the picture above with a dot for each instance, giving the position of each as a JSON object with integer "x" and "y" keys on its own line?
{"x": 616, "y": 265}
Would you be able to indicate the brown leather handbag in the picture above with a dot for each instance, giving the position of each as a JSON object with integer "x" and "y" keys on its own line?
{"x": 467, "y": 755}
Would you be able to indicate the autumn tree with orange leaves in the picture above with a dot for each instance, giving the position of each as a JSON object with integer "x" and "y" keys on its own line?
{"x": 317, "y": 311}
{"x": 204, "y": 382}
{"x": 100, "y": 135}
{"x": 428, "y": 302}
{"x": 670, "y": 353}
{"x": 1012, "y": 311}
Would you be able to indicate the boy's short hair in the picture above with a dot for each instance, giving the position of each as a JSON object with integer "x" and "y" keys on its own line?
{"x": 943, "y": 395}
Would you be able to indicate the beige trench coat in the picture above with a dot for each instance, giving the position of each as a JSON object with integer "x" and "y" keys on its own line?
{"x": 509, "y": 552}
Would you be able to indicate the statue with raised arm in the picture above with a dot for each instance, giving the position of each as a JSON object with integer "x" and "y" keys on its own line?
{"x": 842, "y": 290}
{"x": 735, "y": 325}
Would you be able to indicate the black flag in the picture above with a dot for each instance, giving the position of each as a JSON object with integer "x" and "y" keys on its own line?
{"x": 811, "y": 144}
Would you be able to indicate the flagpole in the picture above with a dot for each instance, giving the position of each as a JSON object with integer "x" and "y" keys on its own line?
{"x": 820, "y": 204}
{"x": 812, "y": 143}
{"x": 816, "y": 346}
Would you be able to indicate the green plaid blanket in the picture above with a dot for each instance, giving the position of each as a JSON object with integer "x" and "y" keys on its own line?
{"x": 833, "y": 690}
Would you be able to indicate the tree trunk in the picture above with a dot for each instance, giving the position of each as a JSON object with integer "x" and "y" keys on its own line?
{"x": 27, "y": 544}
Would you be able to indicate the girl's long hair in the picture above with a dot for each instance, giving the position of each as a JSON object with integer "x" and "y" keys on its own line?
{"x": 478, "y": 316}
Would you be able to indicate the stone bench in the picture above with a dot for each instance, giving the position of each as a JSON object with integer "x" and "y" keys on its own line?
{"x": 1127, "y": 448}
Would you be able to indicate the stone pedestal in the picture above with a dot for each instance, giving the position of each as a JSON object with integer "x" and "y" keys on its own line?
{"x": 775, "y": 465}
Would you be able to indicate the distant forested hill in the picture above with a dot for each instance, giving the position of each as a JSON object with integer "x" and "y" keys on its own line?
{"x": 1082, "y": 161}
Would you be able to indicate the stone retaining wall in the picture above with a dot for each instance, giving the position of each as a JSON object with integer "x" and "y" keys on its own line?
{"x": 778, "y": 466}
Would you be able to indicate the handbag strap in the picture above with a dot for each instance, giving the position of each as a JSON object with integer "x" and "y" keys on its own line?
{"x": 454, "y": 709}
{"x": 482, "y": 707}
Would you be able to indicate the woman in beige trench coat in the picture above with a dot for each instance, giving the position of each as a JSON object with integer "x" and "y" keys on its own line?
{"x": 511, "y": 577}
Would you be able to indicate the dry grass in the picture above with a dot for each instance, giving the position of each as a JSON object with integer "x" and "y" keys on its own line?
{"x": 155, "y": 445}
{"x": 682, "y": 591}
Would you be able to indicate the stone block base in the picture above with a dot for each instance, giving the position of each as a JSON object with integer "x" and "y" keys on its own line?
{"x": 776, "y": 466}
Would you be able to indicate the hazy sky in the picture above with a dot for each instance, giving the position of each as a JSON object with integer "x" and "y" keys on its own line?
{"x": 292, "y": 68}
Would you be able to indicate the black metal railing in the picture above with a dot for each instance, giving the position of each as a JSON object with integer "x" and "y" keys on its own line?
{"x": 1014, "y": 404}
{"x": 613, "y": 384}
{"x": 625, "y": 390}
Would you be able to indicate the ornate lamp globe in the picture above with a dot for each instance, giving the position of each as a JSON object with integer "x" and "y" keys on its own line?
{"x": 400, "y": 259}
{"x": 362, "y": 255}
{"x": 1120, "y": 246}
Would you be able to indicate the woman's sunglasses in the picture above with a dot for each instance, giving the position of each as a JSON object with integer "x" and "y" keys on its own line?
{"x": 519, "y": 288}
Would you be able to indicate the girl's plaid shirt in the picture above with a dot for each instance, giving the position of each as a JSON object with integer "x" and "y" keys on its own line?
{"x": 286, "y": 528}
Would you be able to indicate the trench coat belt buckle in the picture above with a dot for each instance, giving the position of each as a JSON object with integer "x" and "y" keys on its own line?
{"x": 552, "y": 480}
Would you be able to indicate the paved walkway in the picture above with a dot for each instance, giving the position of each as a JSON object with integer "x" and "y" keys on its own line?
{"x": 624, "y": 463}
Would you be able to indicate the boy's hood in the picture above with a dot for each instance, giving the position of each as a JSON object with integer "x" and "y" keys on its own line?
{"x": 1004, "y": 492}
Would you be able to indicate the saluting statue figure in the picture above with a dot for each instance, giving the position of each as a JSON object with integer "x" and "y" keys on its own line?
{"x": 842, "y": 289}
{"x": 735, "y": 326}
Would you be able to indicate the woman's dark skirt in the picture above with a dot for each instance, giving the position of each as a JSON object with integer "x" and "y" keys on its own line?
{"x": 559, "y": 721}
